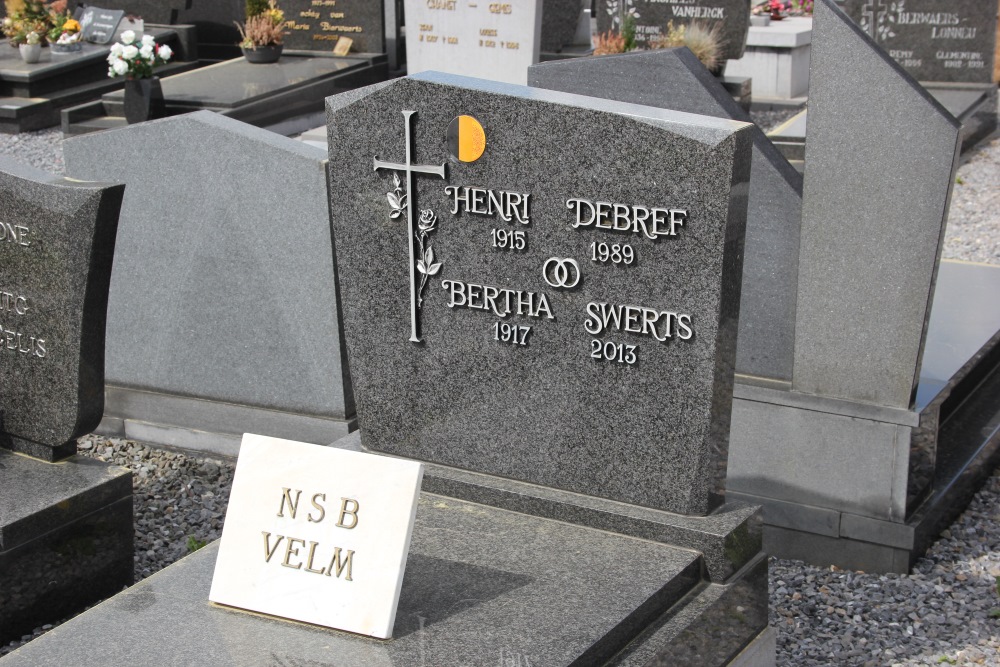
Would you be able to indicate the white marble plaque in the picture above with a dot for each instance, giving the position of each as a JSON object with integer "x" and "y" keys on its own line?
{"x": 489, "y": 40}
{"x": 317, "y": 534}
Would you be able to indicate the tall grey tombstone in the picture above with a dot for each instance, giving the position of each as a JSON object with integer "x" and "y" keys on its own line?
{"x": 843, "y": 458}
{"x": 223, "y": 314}
{"x": 933, "y": 40}
{"x": 65, "y": 529}
{"x": 868, "y": 249}
{"x": 635, "y": 349}
{"x": 676, "y": 79}
{"x": 316, "y": 26}
{"x": 57, "y": 239}
{"x": 730, "y": 17}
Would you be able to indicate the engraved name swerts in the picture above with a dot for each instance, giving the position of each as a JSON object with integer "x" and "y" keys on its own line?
{"x": 659, "y": 324}
{"x": 651, "y": 222}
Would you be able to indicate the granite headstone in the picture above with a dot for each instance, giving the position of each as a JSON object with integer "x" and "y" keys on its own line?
{"x": 224, "y": 286}
{"x": 57, "y": 240}
{"x": 316, "y": 25}
{"x": 99, "y": 25}
{"x": 933, "y": 40}
{"x": 676, "y": 79}
{"x": 560, "y": 19}
{"x": 536, "y": 307}
{"x": 854, "y": 227}
{"x": 496, "y": 41}
{"x": 732, "y": 17}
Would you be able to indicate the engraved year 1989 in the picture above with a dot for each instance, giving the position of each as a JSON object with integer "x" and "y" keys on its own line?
{"x": 616, "y": 253}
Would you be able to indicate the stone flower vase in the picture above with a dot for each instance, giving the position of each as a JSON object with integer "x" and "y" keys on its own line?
{"x": 30, "y": 53}
{"x": 263, "y": 54}
{"x": 143, "y": 99}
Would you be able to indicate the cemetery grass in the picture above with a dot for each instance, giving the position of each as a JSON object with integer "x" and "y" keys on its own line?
{"x": 946, "y": 612}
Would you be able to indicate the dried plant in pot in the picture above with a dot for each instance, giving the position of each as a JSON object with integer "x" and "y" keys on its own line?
{"x": 263, "y": 33}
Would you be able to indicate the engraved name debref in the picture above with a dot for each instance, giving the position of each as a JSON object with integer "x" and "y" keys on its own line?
{"x": 340, "y": 561}
{"x": 651, "y": 222}
{"x": 662, "y": 325}
{"x": 506, "y": 205}
{"x": 500, "y": 301}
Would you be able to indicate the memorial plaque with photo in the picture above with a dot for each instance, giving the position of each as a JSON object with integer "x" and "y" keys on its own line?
{"x": 730, "y": 17}
{"x": 99, "y": 26}
{"x": 931, "y": 39}
{"x": 316, "y": 25}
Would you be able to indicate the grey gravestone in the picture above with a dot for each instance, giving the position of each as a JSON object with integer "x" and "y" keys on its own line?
{"x": 933, "y": 40}
{"x": 560, "y": 19}
{"x": 224, "y": 286}
{"x": 57, "y": 239}
{"x": 317, "y": 25}
{"x": 676, "y": 79}
{"x": 872, "y": 221}
{"x": 513, "y": 357}
{"x": 651, "y": 18}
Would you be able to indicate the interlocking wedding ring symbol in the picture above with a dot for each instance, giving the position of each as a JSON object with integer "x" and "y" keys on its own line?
{"x": 563, "y": 272}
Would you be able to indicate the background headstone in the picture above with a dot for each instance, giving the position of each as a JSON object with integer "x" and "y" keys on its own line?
{"x": 933, "y": 40}
{"x": 57, "y": 239}
{"x": 577, "y": 406}
{"x": 676, "y": 79}
{"x": 496, "y": 41}
{"x": 151, "y": 11}
{"x": 560, "y": 19}
{"x": 316, "y": 25}
{"x": 100, "y": 26}
{"x": 869, "y": 251}
{"x": 224, "y": 285}
{"x": 652, "y": 16}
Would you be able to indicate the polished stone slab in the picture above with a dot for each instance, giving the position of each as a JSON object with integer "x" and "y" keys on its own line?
{"x": 552, "y": 593}
{"x": 560, "y": 19}
{"x": 236, "y": 82}
{"x": 65, "y": 538}
{"x": 547, "y": 412}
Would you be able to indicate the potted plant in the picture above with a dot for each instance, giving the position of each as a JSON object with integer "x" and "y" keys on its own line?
{"x": 65, "y": 35}
{"x": 143, "y": 95}
{"x": 262, "y": 32}
{"x": 31, "y": 49}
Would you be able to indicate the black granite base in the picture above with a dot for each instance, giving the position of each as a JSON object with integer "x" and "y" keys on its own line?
{"x": 66, "y": 538}
{"x": 483, "y": 586}
{"x": 261, "y": 95}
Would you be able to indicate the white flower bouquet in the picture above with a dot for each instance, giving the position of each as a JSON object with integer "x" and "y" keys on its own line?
{"x": 136, "y": 62}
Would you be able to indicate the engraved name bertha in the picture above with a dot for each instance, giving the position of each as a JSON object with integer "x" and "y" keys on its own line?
{"x": 13, "y": 306}
{"x": 635, "y": 221}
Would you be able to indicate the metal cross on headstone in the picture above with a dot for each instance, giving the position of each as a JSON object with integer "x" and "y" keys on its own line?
{"x": 411, "y": 169}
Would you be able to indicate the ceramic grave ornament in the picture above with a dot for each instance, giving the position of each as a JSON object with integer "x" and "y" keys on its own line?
{"x": 513, "y": 305}
{"x": 57, "y": 239}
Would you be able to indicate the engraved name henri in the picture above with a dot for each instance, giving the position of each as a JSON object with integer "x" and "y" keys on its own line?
{"x": 347, "y": 518}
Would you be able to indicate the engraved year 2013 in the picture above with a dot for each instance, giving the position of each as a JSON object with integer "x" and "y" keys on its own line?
{"x": 509, "y": 240}
{"x": 611, "y": 351}
{"x": 616, "y": 253}
{"x": 511, "y": 333}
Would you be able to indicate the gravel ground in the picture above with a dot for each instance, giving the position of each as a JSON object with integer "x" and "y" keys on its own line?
{"x": 947, "y": 612}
